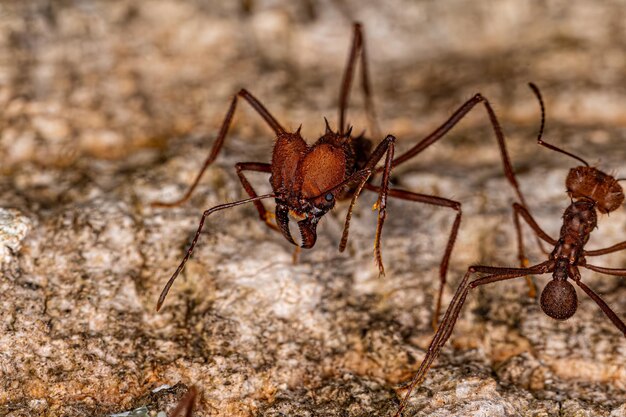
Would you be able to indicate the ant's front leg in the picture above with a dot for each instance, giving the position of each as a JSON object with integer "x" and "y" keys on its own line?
{"x": 205, "y": 215}
{"x": 440, "y": 202}
{"x": 219, "y": 142}
{"x": 387, "y": 146}
{"x": 265, "y": 216}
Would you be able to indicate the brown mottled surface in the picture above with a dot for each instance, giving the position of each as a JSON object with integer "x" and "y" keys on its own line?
{"x": 110, "y": 105}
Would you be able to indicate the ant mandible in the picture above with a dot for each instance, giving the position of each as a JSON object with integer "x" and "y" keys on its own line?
{"x": 590, "y": 190}
{"x": 307, "y": 180}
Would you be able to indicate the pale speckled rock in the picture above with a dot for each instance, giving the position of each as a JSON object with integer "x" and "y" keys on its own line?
{"x": 14, "y": 227}
{"x": 109, "y": 106}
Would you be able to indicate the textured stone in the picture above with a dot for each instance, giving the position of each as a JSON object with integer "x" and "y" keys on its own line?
{"x": 14, "y": 227}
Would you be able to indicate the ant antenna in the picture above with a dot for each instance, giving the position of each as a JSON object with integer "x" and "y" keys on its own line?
{"x": 543, "y": 123}
{"x": 206, "y": 214}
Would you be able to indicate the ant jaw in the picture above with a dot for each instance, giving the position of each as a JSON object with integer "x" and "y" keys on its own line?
{"x": 306, "y": 225}
{"x": 308, "y": 231}
{"x": 282, "y": 219}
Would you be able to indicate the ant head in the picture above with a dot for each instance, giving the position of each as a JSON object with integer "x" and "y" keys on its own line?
{"x": 307, "y": 179}
{"x": 585, "y": 182}
{"x": 317, "y": 181}
{"x": 559, "y": 300}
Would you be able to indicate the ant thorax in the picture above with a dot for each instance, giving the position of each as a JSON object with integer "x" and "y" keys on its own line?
{"x": 592, "y": 184}
{"x": 579, "y": 220}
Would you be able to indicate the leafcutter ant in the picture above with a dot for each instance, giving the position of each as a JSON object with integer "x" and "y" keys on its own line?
{"x": 306, "y": 179}
{"x": 590, "y": 191}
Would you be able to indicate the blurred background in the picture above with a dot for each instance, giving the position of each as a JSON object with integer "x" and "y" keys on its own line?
{"x": 109, "y": 105}
{"x": 104, "y": 79}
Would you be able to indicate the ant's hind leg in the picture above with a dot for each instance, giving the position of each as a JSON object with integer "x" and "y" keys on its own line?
{"x": 452, "y": 314}
{"x": 452, "y": 121}
{"x": 219, "y": 142}
{"x": 615, "y": 248}
{"x": 358, "y": 48}
{"x": 595, "y": 297}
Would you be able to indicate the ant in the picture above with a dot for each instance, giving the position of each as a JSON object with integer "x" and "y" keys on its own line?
{"x": 307, "y": 180}
{"x": 184, "y": 408}
{"x": 590, "y": 191}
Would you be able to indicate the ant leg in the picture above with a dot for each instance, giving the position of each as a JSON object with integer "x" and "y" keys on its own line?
{"x": 539, "y": 232}
{"x": 219, "y": 142}
{"x": 456, "y": 117}
{"x": 606, "y": 271}
{"x": 206, "y": 214}
{"x": 519, "y": 210}
{"x": 523, "y": 260}
{"x": 386, "y": 146}
{"x": 440, "y": 202}
{"x": 447, "y": 325}
{"x": 452, "y": 121}
{"x": 185, "y": 406}
{"x": 610, "y": 249}
{"x": 265, "y": 216}
{"x": 595, "y": 297}
{"x": 358, "y": 47}
{"x": 381, "y": 206}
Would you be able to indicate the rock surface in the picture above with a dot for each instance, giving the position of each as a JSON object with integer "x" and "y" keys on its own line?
{"x": 108, "y": 106}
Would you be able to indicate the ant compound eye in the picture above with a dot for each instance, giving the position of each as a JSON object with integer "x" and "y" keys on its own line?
{"x": 329, "y": 197}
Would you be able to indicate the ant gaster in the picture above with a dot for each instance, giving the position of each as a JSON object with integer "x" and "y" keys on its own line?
{"x": 306, "y": 179}
{"x": 590, "y": 191}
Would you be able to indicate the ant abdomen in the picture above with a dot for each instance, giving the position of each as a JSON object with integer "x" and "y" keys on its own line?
{"x": 559, "y": 300}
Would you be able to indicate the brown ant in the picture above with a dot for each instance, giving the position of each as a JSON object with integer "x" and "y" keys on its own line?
{"x": 184, "y": 408}
{"x": 590, "y": 190}
{"x": 307, "y": 179}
